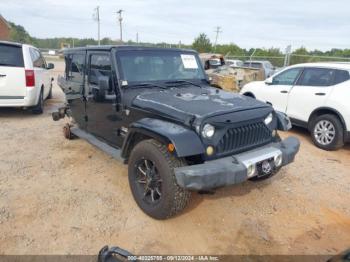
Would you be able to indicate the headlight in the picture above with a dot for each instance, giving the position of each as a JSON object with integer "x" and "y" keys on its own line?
{"x": 268, "y": 119}
{"x": 208, "y": 131}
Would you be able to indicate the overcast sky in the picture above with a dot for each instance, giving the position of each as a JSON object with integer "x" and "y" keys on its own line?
{"x": 314, "y": 24}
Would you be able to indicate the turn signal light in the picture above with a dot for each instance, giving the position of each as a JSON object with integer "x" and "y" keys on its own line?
{"x": 171, "y": 148}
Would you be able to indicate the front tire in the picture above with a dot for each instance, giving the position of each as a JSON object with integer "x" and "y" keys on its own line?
{"x": 327, "y": 132}
{"x": 152, "y": 180}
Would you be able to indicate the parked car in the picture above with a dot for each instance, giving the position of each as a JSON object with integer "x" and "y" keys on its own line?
{"x": 24, "y": 77}
{"x": 268, "y": 68}
{"x": 315, "y": 96}
{"x": 154, "y": 109}
{"x": 211, "y": 61}
{"x": 234, "y": 62}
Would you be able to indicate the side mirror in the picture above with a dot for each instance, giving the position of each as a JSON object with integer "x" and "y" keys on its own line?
{"x": 269, "y": 81}
{"x": 50, "y": 66}
{"x": 103, "y": 84}
{"x": 99, "y": 92}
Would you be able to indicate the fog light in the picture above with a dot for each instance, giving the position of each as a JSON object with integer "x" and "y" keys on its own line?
{"x": 278, "y": 160}
{"x": 210, "y": 150}
{"x": 251, "y": 170}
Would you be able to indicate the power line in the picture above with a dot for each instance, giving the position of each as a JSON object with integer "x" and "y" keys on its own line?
{"x": 217, "y": 31}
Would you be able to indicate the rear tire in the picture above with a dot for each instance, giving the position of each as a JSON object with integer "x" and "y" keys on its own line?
{"x": 39, "y": 107}
{"x": 152, "y": 180}
{"x": 327, "y": 132}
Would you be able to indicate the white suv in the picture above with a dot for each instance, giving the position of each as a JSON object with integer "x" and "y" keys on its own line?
{"x": 24, "y": 77}
{"x": 315, "y": 96}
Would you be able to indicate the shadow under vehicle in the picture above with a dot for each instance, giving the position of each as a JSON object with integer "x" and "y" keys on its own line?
{"x": 154, "y": 109}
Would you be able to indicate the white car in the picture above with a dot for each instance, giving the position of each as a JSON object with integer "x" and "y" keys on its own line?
{"x": 315, "y": 96}
{"x": 24, "y": 77}
{"x": 234, "y": 62}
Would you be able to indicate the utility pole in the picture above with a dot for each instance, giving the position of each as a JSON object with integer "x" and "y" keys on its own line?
{"x": 96, "y": 17}
{"x": 137, "y": 37}
{"x": 287, "y": 56}
{"x": 120, "y": 19}
{"x": 217, "y": 31}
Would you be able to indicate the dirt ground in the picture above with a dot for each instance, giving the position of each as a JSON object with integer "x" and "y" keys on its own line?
{"x": 67, "y": 197}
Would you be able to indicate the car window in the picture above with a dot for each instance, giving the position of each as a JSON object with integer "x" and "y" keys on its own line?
{"x": 100, "y": 65}
{"x": 38, "y": 60}
{"x": 268, "y": 65}
{"x": 160, "y": 65}
{"x": 287, "y": 77}
{"x": 317, "y": 77}
{"x": 76, "y": 66}
{"x": 341, "y": 76}
{"x": 253, "y": 65}
{"x": 11, "y": 56}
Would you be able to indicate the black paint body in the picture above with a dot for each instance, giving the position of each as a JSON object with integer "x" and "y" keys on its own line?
{"x": 173, "y": 114}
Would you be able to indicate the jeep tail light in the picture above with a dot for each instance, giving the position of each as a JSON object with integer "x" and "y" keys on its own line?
{"x": 30, "y": 78}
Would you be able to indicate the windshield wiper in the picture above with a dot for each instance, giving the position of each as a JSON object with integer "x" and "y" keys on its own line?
{"x": 183, "y": 82}
{"x": 147, "y": 85}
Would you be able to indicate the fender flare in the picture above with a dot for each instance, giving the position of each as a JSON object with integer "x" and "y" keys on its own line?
{"x": 186, "y": 141}
{"x": 283, "y": 121}
{"x": 334, "y": 111}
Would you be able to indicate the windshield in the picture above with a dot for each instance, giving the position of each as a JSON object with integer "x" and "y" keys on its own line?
{"x": 214, "y": 62}
{"x": 158, "y": 65}
{"x": 254, "y": 65}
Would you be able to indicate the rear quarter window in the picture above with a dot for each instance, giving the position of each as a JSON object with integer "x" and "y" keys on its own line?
{"x": 11, "y": 56}
{"x": 341, "y": 76}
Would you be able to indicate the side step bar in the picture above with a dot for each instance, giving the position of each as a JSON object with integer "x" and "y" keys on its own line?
{"x": 115, "y": 153}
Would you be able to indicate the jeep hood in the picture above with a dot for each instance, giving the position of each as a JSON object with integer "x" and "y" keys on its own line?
{"x": 187, "y": 103}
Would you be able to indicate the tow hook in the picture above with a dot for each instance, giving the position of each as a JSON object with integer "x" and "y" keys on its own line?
{"x": 61, "y": 113}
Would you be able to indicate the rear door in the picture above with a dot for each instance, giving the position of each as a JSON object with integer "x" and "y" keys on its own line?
{"x": 74, "y": 85}
{"x": 278, "y": 91}
{"x": 310, "y": 92}
{"x": 12, "y": 76}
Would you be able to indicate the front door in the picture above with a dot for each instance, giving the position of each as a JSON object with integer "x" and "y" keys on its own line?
{"x": 277, "y": 93}
{"x": 310, "y": 92}
{"x": 103, "y": 119}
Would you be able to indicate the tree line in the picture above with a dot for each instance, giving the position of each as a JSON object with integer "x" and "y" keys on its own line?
{"x": 202, "y": 44}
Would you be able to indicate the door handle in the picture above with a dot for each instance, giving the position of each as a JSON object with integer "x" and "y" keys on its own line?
{"x": 284, "y": 92}
{"x": 320, "y": 94}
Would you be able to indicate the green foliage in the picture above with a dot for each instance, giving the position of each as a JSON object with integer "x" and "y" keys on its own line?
{"x": 230, "y": 49}
{"x": 202, "y": 44}
{"x": 19, "y": 34}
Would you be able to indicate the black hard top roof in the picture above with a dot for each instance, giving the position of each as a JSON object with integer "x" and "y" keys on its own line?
{"x": 122, "y": 47}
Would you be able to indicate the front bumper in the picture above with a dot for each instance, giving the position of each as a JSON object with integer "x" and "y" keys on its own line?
{"x": 233, "y": 169}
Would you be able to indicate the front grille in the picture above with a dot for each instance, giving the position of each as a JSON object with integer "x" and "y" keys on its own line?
{"x": 243, "y": 138}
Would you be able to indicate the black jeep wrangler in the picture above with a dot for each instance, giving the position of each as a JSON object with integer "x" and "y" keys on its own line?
{"x": 154, "y": 108}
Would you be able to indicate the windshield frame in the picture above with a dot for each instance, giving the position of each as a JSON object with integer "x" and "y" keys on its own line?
{"x": 163, "y": 81}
